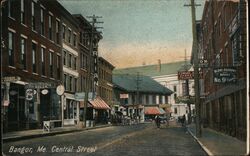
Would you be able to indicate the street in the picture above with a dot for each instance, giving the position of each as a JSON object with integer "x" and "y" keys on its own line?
{"x": 142, "y": 139}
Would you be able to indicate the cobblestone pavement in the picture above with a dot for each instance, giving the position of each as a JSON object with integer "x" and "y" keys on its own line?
{"x": 142, "y": 139}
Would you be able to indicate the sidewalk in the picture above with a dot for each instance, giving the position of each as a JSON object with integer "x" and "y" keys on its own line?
{"x": 28, "y": 134}
{"x": 217, "y": 143}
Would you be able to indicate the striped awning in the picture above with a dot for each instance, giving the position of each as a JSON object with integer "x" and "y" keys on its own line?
{"x": 152, "y": 111}
{"x": 98, "y": 103}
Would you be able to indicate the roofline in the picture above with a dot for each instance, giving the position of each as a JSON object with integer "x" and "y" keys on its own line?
{"x": 101, "y": 58}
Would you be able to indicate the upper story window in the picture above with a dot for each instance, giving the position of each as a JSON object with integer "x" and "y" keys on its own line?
{"x": 11, "y": 8}
{"x": 63, "y": 31}
{"x": 65, "y": 58}
{"x": 43, "y": 60}
{"x": 75, "y": 63}
{"x": 69, "y": 35}
{"x": 50, "y": 27}
{"x": 58, "y": 65}
{"x": 69, "y": 61}
{"x": 42, "y": 22}
{"x": 23, "y": 52}
{"x": 33, "y": 19}
{"x": 51, "y": 63}
{"x": 175, "y": 89}
{"x": 22, "y": 12}
{"x": 11, "y": 48}
{"x": 34, "y": 70}
{"x": 57, "y": 31}
{"x": 74, "y": 39}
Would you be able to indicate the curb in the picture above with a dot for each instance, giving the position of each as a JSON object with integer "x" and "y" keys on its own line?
{"x": 201, "y": 144}
{"x": 17, "y": 138}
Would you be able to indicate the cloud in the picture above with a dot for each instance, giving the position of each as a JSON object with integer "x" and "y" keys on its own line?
{"x": 135, "y": 54}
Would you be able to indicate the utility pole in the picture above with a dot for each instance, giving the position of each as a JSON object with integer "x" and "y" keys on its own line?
{"x": 93, "y": 33}
{"x": 187, "y": 89}
{"x": 196, "y": 70}
{"x": 137, "y": 92}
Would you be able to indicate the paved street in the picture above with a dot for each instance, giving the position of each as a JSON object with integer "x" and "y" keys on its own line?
{"x": 143, "y": 139}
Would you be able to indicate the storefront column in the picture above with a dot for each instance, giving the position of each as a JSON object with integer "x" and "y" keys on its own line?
{"x": 63, "y": 104}
{"x": 210, "y": 115}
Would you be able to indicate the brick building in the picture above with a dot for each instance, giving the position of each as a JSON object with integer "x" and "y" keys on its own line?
{"x": 46, "y": 46}
{"x": 222, "y": 42}
{"x": 32, "y": 52}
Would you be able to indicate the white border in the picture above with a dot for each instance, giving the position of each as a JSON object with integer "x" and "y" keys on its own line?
{"x": 248, "y": 102}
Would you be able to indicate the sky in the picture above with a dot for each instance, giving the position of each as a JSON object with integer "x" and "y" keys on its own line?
{"x": 137, "y": 32}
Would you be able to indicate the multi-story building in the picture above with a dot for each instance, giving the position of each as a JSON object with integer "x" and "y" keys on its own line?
{"x": 222, "y": 42}
{"x": 71, "y": 55}
{"x": 32, "y": 52}
{"x": 167, "y": 75}
{"x": 46, "y": 47}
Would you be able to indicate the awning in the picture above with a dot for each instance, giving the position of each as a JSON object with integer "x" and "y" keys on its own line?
{"x": 98, "y": 103}
{"x": 152, "y": 111}
{"x": 162, "y": 111}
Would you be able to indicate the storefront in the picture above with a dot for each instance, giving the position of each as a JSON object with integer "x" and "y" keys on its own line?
{"x": 71, "y": 110}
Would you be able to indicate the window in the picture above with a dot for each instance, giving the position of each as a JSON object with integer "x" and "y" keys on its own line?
{"x": 81, "y": 37}
{"x": 76, "y": 84}
{"x": 51, "y": 64}
{"x": 43, "y": 60}
{"x": 57, "y": 31}
{"x": 34, "y": 58}
{"x": 11, "y": 8}
{"x": 74, "y": 39}
{"x": 69, "y": 60}
{"x": 58, "y": 66}
{"x": 226, "y": 55}
{"x": 33, "y": 19}
{"x": 175, "y": 97}
{"x": 23, "y": 52}
{"x": 64, "y": 58}
{"x": 75, "y": 62}
{"x": 70, "y": 83}
{"x": 235, "y": 49}
{"x": 174, "y": 88}
{"x": 22, "y": 12}
{"x": 65, "y": 81}
{"x": 50, "y": 27}
{"x": 42, "y": 22}
{"x": 11, "y": 49}
{"x": 69, "y": 35}
{"x": 63, "y": 31}
{"x": 175, "y": 110}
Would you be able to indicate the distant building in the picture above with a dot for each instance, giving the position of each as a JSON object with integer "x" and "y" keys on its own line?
{"x": 167, "y": 75}
{"x": 136, "y": 94}
{"x": 222, "y": 42}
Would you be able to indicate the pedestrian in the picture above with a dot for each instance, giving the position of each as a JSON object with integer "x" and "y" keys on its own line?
{"x": 157, "y": 121}
{"x": 184, "y": 120}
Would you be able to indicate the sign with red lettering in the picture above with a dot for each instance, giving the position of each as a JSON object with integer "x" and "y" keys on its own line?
{"x": 185, "y": 75}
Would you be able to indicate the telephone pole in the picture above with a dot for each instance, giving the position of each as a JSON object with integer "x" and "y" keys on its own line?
{"x": 93, "y": 43}
{"x": 137, "y": 92}
{"x": 196, "y": 70}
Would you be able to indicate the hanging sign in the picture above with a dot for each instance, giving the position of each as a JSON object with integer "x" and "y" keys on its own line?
{"x": 29, "y": 94}
{"x": 60, "y": 90}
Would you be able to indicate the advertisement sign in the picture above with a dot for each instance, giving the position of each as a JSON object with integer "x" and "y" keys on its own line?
{"x": 29, "y": 94}
{"x": 225, "y": 75}
{"x": 185, "y": 75}
{"x": 123, "y": 96}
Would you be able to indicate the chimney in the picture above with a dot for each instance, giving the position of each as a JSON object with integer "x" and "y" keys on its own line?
{"x": 159, "y": 65}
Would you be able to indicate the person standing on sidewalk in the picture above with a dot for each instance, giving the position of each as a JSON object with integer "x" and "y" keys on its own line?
{"x": 157, "y": 121}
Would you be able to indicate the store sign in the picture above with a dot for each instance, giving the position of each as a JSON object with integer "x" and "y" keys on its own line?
{"x": 39, "y": 85}
{"x": 123, "y": 96}
{"x": 60, "y": 90}
{"x": 185, "y": 75}
{"x": 29, "y": 94}
{"x": 11, "y": 79}
{"x": 81, "y": 95}
{"x": 45, "y": 91}
{"x": 225, "y": 75}
{"x": 203, "y": 63}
